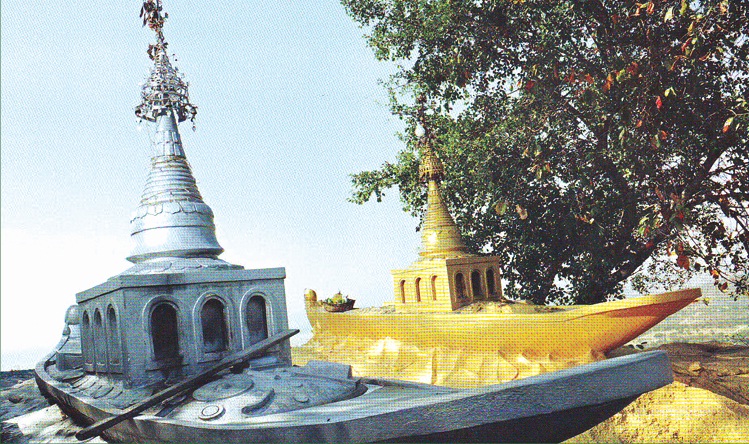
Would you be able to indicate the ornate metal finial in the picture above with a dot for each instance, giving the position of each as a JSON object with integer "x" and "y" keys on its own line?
{"x": 430, "y": 167}
{"x": 164, "y": 90}
{"x": 150, "y": 12}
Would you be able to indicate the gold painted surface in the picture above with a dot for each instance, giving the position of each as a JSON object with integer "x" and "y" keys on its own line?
{"x": 440, "y": 236}
{"x": 446, "y": 276}
{"x": 494, "y": 343}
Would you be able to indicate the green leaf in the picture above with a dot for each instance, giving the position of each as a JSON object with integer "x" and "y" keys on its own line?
{"x": 669, "y": 14}
{"x": 501, "y": 207}
{"x": 644, "y": 223}
{"x": 684, "y": 7}
{"x": 656, "y": 141}
{"x": 727, "y": 125}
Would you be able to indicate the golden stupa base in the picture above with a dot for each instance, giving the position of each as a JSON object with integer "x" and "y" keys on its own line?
{"x": 474, "y": 347}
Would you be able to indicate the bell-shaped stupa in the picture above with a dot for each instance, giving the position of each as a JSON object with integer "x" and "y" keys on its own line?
{"x": 179, "y": 308}
{"x": 172, "y": 229}
{"x": 440, "y": 236}
{"x": 445, "y": 276}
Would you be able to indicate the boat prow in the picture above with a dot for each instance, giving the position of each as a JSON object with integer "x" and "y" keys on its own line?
{"x": 468, "y": 349}
{"x": 623, "y": 320}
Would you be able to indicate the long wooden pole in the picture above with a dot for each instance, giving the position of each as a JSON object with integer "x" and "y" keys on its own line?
{"x": 191, "y": 383}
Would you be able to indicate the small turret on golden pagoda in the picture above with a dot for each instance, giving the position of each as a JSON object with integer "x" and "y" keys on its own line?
{"x": 446, "y": 276}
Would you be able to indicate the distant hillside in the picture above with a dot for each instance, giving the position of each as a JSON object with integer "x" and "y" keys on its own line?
{"x": 722, "y": 319}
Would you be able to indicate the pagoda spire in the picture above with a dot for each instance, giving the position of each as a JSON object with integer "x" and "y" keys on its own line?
{"x": 172, "y": 229}
{"x": 440, "y": 236}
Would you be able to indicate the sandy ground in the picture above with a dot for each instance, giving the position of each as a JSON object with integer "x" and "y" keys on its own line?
{"x": 675, "y": 413}
{"x": 708, "y": 403}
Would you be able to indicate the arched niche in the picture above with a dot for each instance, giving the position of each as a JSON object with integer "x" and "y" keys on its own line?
{"x": 114, "y": 343}
{"x": 476, "y": 287}
{"x": 403, "y": 291}
{"x": 87, "y": 341}
{"x": 417, "y": 286}
{"x": 491, "y": 282}
{"x": 214, "y": 327}
{"x": 460, "y": 286}
{"x": 164, "y": 331}
{"x": 256, "y": 319}
{"x": 434, "y": 288}
{"x": 100, "y": 342}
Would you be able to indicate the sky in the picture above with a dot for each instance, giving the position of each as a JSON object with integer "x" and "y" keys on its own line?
{"x": 289, "y": 105}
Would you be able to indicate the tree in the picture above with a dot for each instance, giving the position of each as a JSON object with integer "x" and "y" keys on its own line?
{"x": 582, "y": 139}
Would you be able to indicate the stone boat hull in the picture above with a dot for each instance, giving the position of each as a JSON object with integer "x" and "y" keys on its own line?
{"x": 544, "y": 408}
{"x": 470, "y": 349}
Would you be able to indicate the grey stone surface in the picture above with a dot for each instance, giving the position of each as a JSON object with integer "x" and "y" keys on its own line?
{"x": 552, "y": 406}
{"x": 19, "y": 395}
{"x": 125, "y": 347}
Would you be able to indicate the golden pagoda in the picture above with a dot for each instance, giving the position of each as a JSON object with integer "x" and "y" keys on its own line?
{"x": 449, "y": 323}
{"x": 446, "y": 276}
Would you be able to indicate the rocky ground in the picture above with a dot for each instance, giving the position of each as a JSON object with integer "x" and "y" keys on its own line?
{"x": 27, "y": 416}
{"x": 708, "y": 403}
